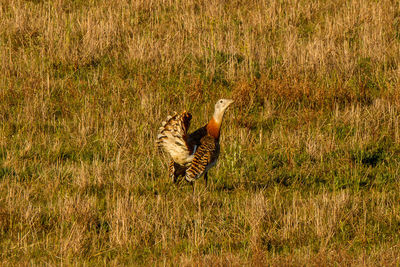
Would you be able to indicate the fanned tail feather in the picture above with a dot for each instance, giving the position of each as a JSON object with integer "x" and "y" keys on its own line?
{"x": 172, "y": 137}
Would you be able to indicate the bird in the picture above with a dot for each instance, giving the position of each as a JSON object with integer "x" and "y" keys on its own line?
{"x": 192, "y": 154}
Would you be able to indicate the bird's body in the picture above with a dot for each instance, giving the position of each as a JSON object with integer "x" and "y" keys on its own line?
{"x": 192, "y": 155}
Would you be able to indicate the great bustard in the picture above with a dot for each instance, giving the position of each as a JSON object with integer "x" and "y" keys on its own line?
{"x": 194, "y": 154}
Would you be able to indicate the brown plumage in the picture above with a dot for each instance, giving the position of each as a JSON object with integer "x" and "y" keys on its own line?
{"x": 192, "y": 155}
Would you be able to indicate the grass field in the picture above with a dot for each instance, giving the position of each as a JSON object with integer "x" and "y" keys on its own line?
{"x": 309, "y": 166}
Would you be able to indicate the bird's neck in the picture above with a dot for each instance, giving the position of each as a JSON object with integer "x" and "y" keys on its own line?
{"x": 213, "y": 128}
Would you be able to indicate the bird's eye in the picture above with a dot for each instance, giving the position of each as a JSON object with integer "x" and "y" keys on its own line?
{"x": 220, "y": 101}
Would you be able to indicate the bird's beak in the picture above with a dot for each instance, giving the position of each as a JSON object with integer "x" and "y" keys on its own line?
{"x": 230, "y": 102}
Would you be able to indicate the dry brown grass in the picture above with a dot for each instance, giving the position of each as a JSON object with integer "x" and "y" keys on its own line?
{"x": 308, "y": 173}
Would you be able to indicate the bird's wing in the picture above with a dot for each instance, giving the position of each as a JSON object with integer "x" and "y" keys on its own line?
{"x": 204, "y": 156}
{"x": 172, "y": 137}
{"x": 194, "y": 139}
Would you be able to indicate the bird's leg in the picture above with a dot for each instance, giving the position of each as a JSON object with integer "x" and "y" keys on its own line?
{"x": 171, "y": 170}
{"x": 192, "y": 183}
{"x": 206, "y": 177}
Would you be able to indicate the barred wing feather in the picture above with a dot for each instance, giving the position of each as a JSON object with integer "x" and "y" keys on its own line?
{"x": 204, "y": 158}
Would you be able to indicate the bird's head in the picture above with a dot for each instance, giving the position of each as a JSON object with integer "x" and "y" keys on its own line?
{"x": 220, "y": 108}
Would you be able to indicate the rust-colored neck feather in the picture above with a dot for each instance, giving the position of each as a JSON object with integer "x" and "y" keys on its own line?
{"x": 213, "y": 128}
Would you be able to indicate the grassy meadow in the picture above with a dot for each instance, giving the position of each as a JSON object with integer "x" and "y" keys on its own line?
{"x": 310, "y": 151}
